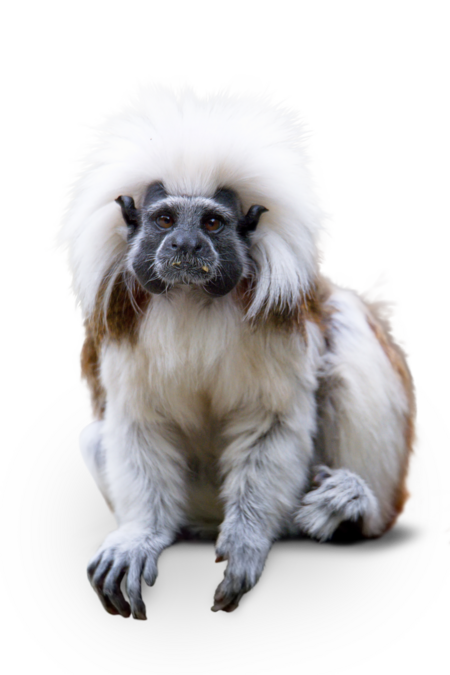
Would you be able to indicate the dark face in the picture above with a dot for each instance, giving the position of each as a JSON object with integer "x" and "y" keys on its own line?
{"x": 189, "y": 240}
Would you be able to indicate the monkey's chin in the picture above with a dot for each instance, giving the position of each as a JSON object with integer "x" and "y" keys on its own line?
{"x": 212, "y": 284}
{"x": 161, "y": 278}
{"x": 220, "y": 286}
{"x": 186, "y": 279}
{"x": 213, "y": 289}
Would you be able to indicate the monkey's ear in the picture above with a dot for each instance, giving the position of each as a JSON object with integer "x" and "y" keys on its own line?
{"x": 250, "y": 221}
{"x": 129, "y": 212}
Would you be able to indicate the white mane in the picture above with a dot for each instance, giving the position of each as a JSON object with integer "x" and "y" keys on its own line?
{"x": 238, "y": 135}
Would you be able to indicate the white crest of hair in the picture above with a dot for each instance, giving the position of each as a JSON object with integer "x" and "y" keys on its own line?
{"x": 194, "y": 146}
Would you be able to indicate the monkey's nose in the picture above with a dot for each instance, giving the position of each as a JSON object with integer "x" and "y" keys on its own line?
{"x": 186, "y": 243}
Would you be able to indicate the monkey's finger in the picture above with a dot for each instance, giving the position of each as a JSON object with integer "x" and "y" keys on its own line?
{"x": 226, "y": 604}
{"x": 230, "y": 608}
{"x": 113, "y": 593}
{"x": 227, "y": 598}
{"x": 221, "y": 554}
{"x": 94, "y": 564}
{"x": 150, "y": 571}
{"x": 133, "y": 586}
{"x": 107, "y": 604}
{"x": 98, "y": 569}
{"x": 101, "y": 571}
{"x": 321, "y": 473}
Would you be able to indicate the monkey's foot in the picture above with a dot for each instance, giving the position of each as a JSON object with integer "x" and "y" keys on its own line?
{"x": 340, "y": 496}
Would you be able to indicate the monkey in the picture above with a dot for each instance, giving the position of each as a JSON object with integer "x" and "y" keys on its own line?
{"x": 239, "y": 395}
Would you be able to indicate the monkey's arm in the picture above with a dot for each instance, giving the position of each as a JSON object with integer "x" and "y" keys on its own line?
{"x": 265, "y": 474}
{"x": 144, "y": 475}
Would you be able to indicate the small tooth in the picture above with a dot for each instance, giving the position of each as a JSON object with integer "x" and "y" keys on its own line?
{"x": 175, "y": 264}
{"x": 205, "y": 268}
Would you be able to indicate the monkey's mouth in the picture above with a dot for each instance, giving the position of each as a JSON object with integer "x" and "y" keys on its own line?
{"x": 185, "y": 270}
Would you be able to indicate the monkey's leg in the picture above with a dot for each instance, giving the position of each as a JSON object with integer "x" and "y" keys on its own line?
{"x": 340, "y": 495}
{"x": 93, "y": 454}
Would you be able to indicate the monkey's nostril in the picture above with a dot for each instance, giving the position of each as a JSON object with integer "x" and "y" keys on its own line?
{"x": 174, "y": 245}
{"x": 198, "y": 248}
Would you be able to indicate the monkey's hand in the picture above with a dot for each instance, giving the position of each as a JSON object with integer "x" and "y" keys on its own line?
{"x": 246, "y": 560}
{"x": 131, "y": 552}
{"x": 339, "y": 495}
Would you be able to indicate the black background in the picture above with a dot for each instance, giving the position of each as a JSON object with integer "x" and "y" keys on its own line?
{"x": 381, "y": 158}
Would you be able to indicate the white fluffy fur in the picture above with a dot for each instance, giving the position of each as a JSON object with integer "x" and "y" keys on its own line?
{"x": 203, "y": 387}
{"x": 196, "y": 145}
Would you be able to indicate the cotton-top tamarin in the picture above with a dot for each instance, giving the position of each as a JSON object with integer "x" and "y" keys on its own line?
{"x": 238, "y": 394}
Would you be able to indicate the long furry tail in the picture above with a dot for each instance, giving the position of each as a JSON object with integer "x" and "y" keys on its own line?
{"x": 378, "y": 295}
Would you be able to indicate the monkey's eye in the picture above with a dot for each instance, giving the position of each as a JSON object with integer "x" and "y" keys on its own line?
{"x": 164, "y": 221}
{"x": 213, "y": 224}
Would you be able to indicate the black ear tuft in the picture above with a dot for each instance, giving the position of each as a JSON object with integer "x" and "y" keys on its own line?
{"x": 129, "y": 212}
{"x": 250, "y": 221}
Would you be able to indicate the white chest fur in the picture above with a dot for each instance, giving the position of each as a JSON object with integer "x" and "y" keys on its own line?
{"x": 192, "y": 351}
